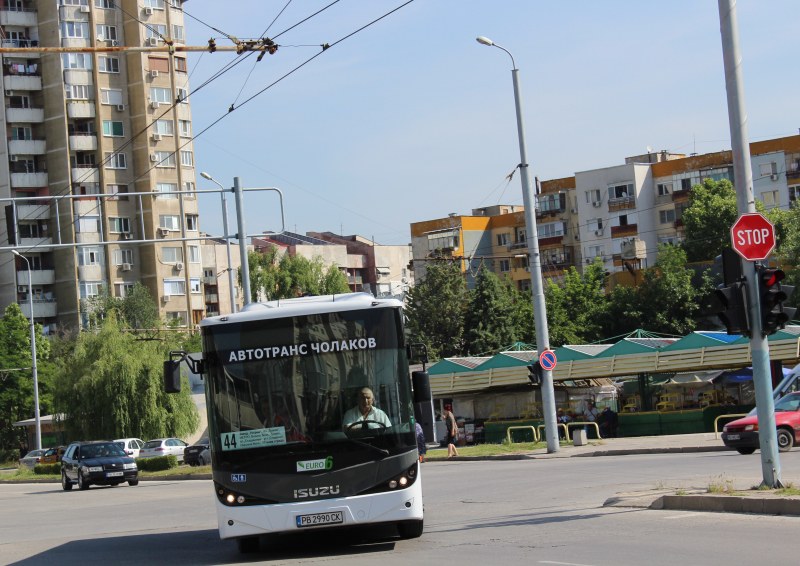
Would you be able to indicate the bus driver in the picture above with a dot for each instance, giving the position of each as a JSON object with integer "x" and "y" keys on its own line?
{"x": 365, "y": 411}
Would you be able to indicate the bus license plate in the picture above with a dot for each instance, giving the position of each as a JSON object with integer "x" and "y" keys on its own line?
{"x": 113, "y": 474}
{"x": 315, "y": 519}
{"x": 733, "y": 437}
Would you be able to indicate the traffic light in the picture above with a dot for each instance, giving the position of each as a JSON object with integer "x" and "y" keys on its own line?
{"x": 774, "y": 315}
{"x": 729, "y": 304}
{"x": 535, "y": 373}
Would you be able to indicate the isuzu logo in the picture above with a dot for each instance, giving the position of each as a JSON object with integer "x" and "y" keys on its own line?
{"x": 306, "y": 492}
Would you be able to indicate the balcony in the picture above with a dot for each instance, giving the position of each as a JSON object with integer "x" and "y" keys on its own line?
{"x": 26, "y": 147}
{"x": 26, "y": 115}
{"x": 33, "y": 211}
{"x": 212, "y": 298}
{"x": 83, "y": 142}
{"x": 623, "y": 203}
{"x": 42, "y": 308}
{"x": 22, "y": 82}
{"x": 28, "y": 180}
{"x": 80, "y": 109}
{"x": 680, "y": 196}
{"x": 25, "y": 18}
{"x": 38, "y": 277}
{"x": 622, "y": 231}
{"x": 35, "y": 243}
{"x": 85, "y": 175}
{"x": 551, "y": 240}
{"x": 209, "y": 280}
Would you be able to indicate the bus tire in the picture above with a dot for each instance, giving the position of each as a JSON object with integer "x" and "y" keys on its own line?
{"x": 410, "y": 529}
{"x": 248, "y": 545}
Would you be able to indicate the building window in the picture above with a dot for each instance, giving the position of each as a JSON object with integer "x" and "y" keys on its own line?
{"x": 21, "y": 133}
{"x": 112, "y": 128}
{"x": 174, "y": 287}
{"x": 76, "y": 61}
{"x": 112, "y": 96}
{"x": 593, "y": 196}
{"x": 167, "y": 190}
{"x": 119, "y": 225}
{"x": 160, "y": 64}
{"x": 502, "y": 239}
{"x": 620, "y": 191}
{"x": 75, "y": 30}
{"x": 594, "y": 251}
{"x": 188, "y": 187}
{"x": 176, "y": 318}
{"x": 171, "y": 254}
{"x": 154, "y": 4}
{"x": 74, "y": 2}
{"x": 194, "y": 284}
{"x": 88, "y": 255}
{"x": 505, "y": 265}
{"x": 169, "y": 221}
{"x": 90, "y": 289}
{"x": 768, "y": 169}
{"x": 164, "y": 127}
{"x": 117, "y": 190}
{"x": 551, "y": 229}
{"x": 160, "y": 95}
{"x": 191, "y": 222}
{"x": 115, "y": 161}
{"x": 686, "y": 184}
{"x": 77, "y": 92}
{"x": 105, "y": 4}
{"x": 771, "y": 198}
{"x": 123, "y": 289}
{"x": 181, "y": 95}
{"x": 194, "y": 254}
{"x": 180, "y": 64}
{"x": 123, "y": 255}
{"x": 666, "y": 216}
{"x": 106, "y": 32}
{"x": 187, "y": 159}
{"x": 165, "y": 159}
{"x": 106, "y": 64}
{"x": 87, "y": 224}
{"x": 185, "y": 128}
{"x": 156, "y": 30}
{"x": 664, "y": 189}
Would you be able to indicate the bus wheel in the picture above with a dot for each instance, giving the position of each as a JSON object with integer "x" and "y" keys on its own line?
{"x": 410, "y": 529}
{"x": 248, "y": 545}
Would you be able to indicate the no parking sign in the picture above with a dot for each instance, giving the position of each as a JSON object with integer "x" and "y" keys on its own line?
{"x": 548, "y": 360}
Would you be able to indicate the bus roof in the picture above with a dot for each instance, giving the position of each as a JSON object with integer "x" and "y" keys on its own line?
{"x": 302, "y": 306}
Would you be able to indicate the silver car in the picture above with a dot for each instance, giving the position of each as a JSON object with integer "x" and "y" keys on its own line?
{"x": 163, "y": 447}
{"x": 31, "y": 458}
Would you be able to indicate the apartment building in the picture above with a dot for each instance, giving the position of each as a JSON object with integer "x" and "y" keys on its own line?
{"x": 84, "y": 124}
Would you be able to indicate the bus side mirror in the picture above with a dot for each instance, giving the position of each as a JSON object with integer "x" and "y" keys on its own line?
{"x": 422, "y": 386}
{"x": 172, "y": 376}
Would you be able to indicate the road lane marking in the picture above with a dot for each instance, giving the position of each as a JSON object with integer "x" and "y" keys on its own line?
{"x": 562, "y": 563}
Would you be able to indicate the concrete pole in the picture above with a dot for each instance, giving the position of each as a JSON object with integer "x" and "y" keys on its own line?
{"x": 743, "y": 175}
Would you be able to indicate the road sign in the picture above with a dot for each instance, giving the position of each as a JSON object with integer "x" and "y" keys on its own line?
{"x": 548, "y": 360}
{"x": 753, "y": 236}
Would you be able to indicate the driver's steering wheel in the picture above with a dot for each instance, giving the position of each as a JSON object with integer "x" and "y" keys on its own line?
{"x": 363, "y": 424}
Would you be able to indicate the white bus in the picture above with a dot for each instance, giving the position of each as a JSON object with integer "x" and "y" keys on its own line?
{"x": 279, "y": 380}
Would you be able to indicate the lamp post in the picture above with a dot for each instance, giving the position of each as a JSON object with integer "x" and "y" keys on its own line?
{"x": 33, "y": 355}
{"x": 534, "y": 260}
{"x": 227, "y": 240}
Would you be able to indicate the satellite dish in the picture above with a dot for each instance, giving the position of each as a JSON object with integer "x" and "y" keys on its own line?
{"x": 649, "y": 149}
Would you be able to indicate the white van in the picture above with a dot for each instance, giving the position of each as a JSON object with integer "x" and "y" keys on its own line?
{"x": 131, "y": 446}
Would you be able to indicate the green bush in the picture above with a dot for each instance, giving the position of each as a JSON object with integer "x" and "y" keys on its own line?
{"x": 9, "y": 455}
{"x": 47, "y": 469}
{"x": 157, "y": 463}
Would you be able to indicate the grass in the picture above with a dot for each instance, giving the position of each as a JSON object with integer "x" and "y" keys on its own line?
{"x": 26, "y": 474}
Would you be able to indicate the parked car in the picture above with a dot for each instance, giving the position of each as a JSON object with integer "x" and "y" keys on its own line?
{"x": 53, "y": 455}
{"x": 197, "y": 454}
{"x": 742, "y": 434}
{"x": 163, "y": 447}
{"x": 100, "y": 462}
{"x": 31, "y": 458}
{"x": 131, "y": 446}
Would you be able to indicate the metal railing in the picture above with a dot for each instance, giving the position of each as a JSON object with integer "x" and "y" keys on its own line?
{"x": 536, "y": 437}
{"x": 729, "y": 416}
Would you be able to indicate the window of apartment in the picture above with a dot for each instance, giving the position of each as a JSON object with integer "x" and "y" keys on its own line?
{"x": 188, "y": 187}
{"x": 194, "y": 254}
{"x": 505, "y": 265}
{"x": 106, "y": 64}
{"x": 664, "y": 189}
{"x": 169, "y": 221}
{"x": 87, "y": 224}
{"x": 174, "y": 287}
{"x": 112, "y": 128}
{"x": 118, "y": 190}
{"x": 502, "y": 239}
{"x": 167, "y": 190}
{"x": 21, "y": 133}
{"x": 164, "y": 127}
{"x": 32, "y": 230}
{"x": 155, "y": 30}
{"x": 90, "y": 289}
{"x": 187, "y": 159}
{"x": 123, "y": 289}
{"x": 594, "y": 251}
{"x": 19, "y": 101}
{"x": 86, "y": 189}
{"x": 191, "y": 223}
{"x": 160, "y": 95}
{"x": 593, "y": 196}
{"x": 443, "y": 240}
{"x": 78, "y": 92}
{"x": 82, "y": 159}
{"x": 177, "y": 33}
{"x": 160, "y": 64}
{"x": 74, "y": 29}
{"x": 88, "y": 255}
{"x": 181, "y": 95}
{"x": 105, "y": 4}
{"x": 620, "y": 191}
{"x": 666, "y": 216}
{"x": 122, "y": 255}
{"x": 165, "y": 159}
{"x": 154, "y": 4}
{"x": 115, "y": 160}
{"x": 171, "y": 254}
{"x": 595, "y": 224}
{"x": 768, "y": 169}
{"x": 671, "y": 239}
{"x": 112, "y": 96}
{"x": 76, "y": 60}
{"x": 106, "y": 32}
{"x": 180, "y": 64}
{"x": 194, "y": 284}
{"x": 119, "y": 225}
{"x": 771, "y": 198}
{"x": 176, "y": 318}
{"x": 686, "y": 184}
{"x": 74, "y": 2}
{"x": 185, "y": 128}
{"x": 551, "y": 229}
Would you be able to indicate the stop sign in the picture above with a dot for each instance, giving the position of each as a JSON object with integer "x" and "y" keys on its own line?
{"x": 753, "y": 236}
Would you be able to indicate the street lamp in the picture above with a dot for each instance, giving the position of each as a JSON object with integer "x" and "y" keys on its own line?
{"x": 205, "y": 175}
{"x": 537, "y": 288}
{"x": 33, "y": 355}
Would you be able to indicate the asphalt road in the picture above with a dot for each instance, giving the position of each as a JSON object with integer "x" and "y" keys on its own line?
{"x": 485, "y": 512}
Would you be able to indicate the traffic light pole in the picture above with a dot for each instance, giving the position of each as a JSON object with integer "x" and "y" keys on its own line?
{"x": 743, "y": 175}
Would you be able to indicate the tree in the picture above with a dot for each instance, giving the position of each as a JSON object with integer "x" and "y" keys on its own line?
{"x": 576, "y": 309}
{"x": 436, "y": 307}
{"x": 138, "y": 309}
{"x": 489, "y": 324}
{"x": 708, "y": 220}
{"x": 273, "y": 276}
{"x": 787, "y": 231}
{"x": 111, "y": 387}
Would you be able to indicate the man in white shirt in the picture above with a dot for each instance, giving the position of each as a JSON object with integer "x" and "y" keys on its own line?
{"x": 365, "y": 411}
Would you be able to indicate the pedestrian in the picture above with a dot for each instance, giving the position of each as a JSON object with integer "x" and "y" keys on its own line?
{"x": 608, "y": 423}
{"x": 563, "y": 418}
{"x": 421, "y": 448}
{"x": 451, "y": 427}
{"x": 590, "y": 414}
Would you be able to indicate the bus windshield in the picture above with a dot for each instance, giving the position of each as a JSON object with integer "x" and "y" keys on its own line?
{"x": 299, "y": 383}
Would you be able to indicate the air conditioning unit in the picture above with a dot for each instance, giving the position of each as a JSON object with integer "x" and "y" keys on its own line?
{"x": 179, "y": 266}
{"x": 12, "y": 158}
{"x": 154, "y": 74}
{"x": 598, "y": 232}
{"x": 165, "y": 299}
{"x": 126, "y": 267}
{"x": 574, "y": 211}
{"x": 148, "y": 11}
{"x": 156, "y": 137}
{"x": 85, "y": 9}
{"x": 153, "y": 104}
{"x": 597, "y": 204}
{"x": 152, "y": 41}
{"x": 163, "y": 232}
{"x": 113, "y": 42}
{"x": 9, "y": 93}
{"x": 22, "y": 288}
{"x": 774, "y": 176}
{"x": 153, "y": 157}
{"x": 120, "y": 107}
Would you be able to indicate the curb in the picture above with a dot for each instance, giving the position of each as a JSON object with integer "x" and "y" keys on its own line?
{"x": 730, "y": 504}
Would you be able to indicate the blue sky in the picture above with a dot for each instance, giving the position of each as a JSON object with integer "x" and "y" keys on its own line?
{"x": 411, "y": 119}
